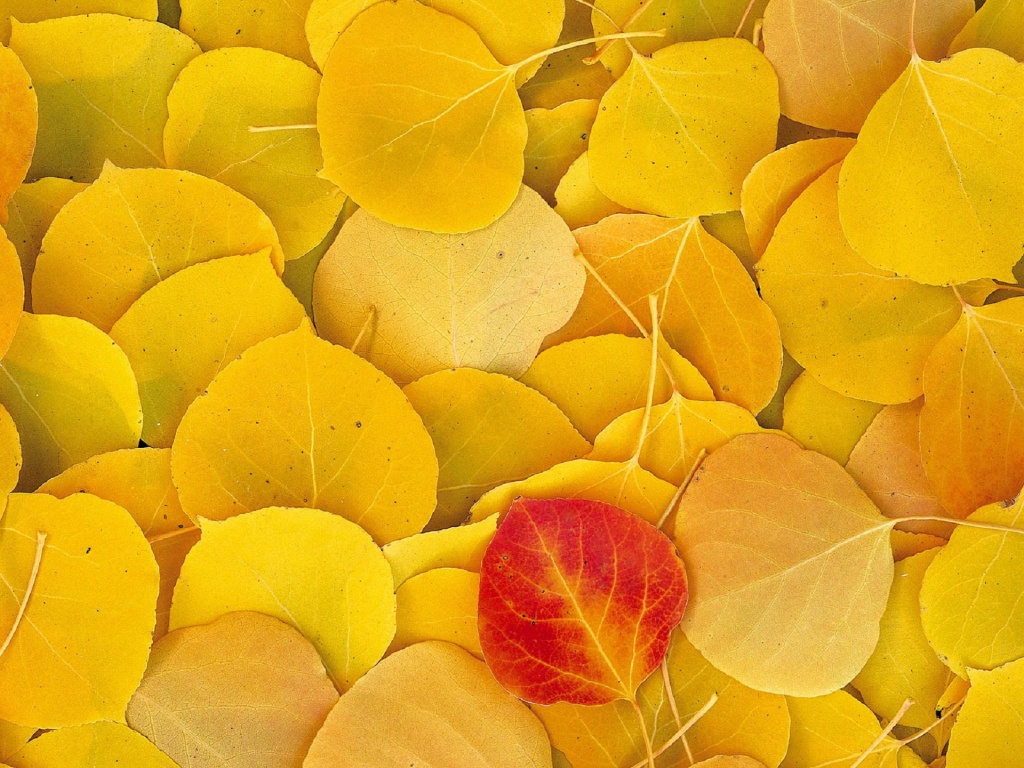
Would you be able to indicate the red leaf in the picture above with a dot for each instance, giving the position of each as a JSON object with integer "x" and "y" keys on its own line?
{"x": 577, "y": 601}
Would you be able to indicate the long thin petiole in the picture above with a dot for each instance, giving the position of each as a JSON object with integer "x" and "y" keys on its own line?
{"x": 643, "y": 730}
{"x": 885, "y": 732}
{"x": 40, "y": 546}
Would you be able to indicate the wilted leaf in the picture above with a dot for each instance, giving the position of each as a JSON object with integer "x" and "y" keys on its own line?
{"x": 579, "y": 202}
{"x": 439, "y": 604}
{"x": 461, "y": 547}
{"x": 18, "y": 122}
{"x": 989, "y": 730}
{"x": 273, "y": 25}
{"x": 91, "y": 746}
{"x": 823, "y": 420}
{"x": 555, "y": 139}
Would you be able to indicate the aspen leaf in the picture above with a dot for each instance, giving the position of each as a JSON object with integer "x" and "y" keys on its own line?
{"x": 10, "y": 454}
{"x": 947, "y": 128}
{"x": 835, "y": 59}
{"x": 218, "y": 113}
{"x": 990, "y": 728}
{"x": 182, "y": 332}
{"x": 487, "y": 430}
{"x": 823, "y": 420}
{"x": 770, "y": 417}
{"x": 33, "y": 10}
{"x": 789, "y": 565}
{"x": 555, "y": 139}
{"x": 91, "y": 746}
{"x": 299, "y": 273}
{"x": 729, "y": 761}
{"x": 439, "y": 604}
{"x": 19, "y": 119}
{"x": 679, "y": 131}
{"x": 861, "y": 331}
{"x": 138, "y": 479}
{"x": 88, "y": 582}
{"x": 971, "y": 422}
{"x": 265, "y": 561}
{"x": 997, "y": 24}
{"x": 728, "y": 229}
{"x": 12, "y": 295}
{"x": 71, "y": 392}
{"x": 133, "y": 228}
{"x": 579, "y": 202}
{"x": 484, "y": 300}
{"x": 94, "y": 107}
{"x": 906, "y": 544}
{"x": 273, "y": 25}
{"x": 552, "y": 628}
{"x": 460, "y": 547}
{"x": 13, "y": 737}
{"x": 271, "y": 430}
{"x": 432, "y": 704}
{"x": 971, "y": 606}
{"x": 245, "y": 690}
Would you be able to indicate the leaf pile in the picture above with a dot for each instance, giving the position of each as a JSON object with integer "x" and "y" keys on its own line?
{"x": 511, "y": 384}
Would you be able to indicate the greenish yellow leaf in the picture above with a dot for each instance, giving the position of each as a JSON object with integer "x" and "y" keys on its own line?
{"x": 555, "y": 139}
{"x": 34, "y": 10}
{"x": 100, "y": 745}
{"x": 998, "y": 24}
{"x": 989, "y": 730}
{"x": 579, "y": 202}
{"x": 273, "y": 25}
{"x": 439, "y": 604}
{"x": 823, "y": 420}
{"x": 460, "y": 547}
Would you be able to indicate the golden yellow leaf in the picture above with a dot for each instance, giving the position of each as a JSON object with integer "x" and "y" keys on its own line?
{"x": 12, "y": 295}
{"x": 33, "y": 10}
{"x": 182, "y": 332}
{"x": 242, "y": 116}
{"x": 18, "y": 122}
{"x": 729, "y": 761}
{"x": 906, "y": 544}
{"x": 138, "y": 479}
{"x": 72, "y": 393}
{"x": 836, "y": 57}
{"x": 972, "y": 422}
{"x": 273, "y": 25}
{"x": 770, "y": 417}
{"x": 487, "y": 430}
{"x": 245, "y": 691}
{"x": 460, "y": 547}
{"x": 789, "y": 566}
{"x": 426, "y": 302}
{"x": 432, "y": 704}
{"x": 989, "y": 730}
{"x": 10, "y": 454}
{"x": 742, "y": 720}
{"x": 439, "y": 604}
{"x": 13, "y": 737}
{"x": 941, "y": 127}
{"x": 823, "y": 420}
{"x": 94, "y": 107}
{"x": 861, "y": 331}
{"x": 299, "y": 273}
{"x": 271, "y": 431}
{"x": 679, "y": 131}
{"x": 579, "y": 202}
{"x": 267, "y": 561}
{"x": 778, "y": 179}
{"x": 998, "y": 24}
{"x": 78, "y": 601}
{"x": 709, "y": 310}
{"x": 555, "y": 139}
{"x": 100, "y": 745}
{"x": 728, "y": 228}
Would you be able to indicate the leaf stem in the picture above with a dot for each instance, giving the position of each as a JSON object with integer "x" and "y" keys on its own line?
{"x": 40, "y": 546}
{"x": 648, "y": 747}
{"x": 670, "y": 694}
{"x": 632, "y": 19}
{"x": 580, "y": 43}
{"x": 681, "y": 732}
{"x": 682, "y": 488}
{"x": 366, "y": 324}
{"x": 652, "y": 379}
{"x": 956, "y": 521}
{"x": 885, "y": 732}
{"x": 950, "y": 711}
{"x": 269, "y": 128}
{"x": 743, "y": 18}
{"x": 171, "y": 534}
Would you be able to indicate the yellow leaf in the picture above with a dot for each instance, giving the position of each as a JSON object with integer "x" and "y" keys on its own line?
{"x": 487, "y": 430}
{"x": 972, "y": 435}
{"x": 998, "y": 24}
{"x": 679, "y": 131}
{"x": 271, "y": 431}
{"x": 316, "y": 571}
{"x": 10, "y": 453}
{"x": 91, "y": 746}
{"x": 906, "y": 544}
{"x": 13, "y": 737}
{"x": 18, "y": 122}
{"x": 432, "y": 704}
{"x": 579, "y": 202}
{"x": 219, "y": 108}
{"x": 299, "y": 273}
{"x": 95, "y": 107}
{"x": 728, "y": 228}
{"x": 789, "y": 566}
{"x": 243, "y": 690}
{"x": 836, "y": 57}
{"x": 12, "y": 295}
{"x": 426, "y": 302}
{"x": 274, "y": 25}
{"x": 182, "y": 332}
{"x": 942, "y": 127}
{"x": 770, "y": 417}
{"x": 555, "y": 139}
{"x": 709, "y": 310}
{"x": 823, "y": 420}
{"x": 970, "y": 599}
{"x": 72, "y": 393}
{"x": 33, "y": 10}
{"x": 861, "y": 331}
{"x": 439, "y": 604}
{"x": 989, "y": 730}
{"x": 729, "y": 761}
{"x": 78, "y": 600}
{"x": 138, "y": 479}
{"x": 461, "y": 547}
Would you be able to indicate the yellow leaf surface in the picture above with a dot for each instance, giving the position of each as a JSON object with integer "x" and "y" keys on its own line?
{"x": 13, "y": 737}
{"x": 94, "y": 107}
{"x": 182, "y": 332}
{"x": 998, "y": 24}
{"x": 299, "y": 273}
{"x": 12, "y": 295}
{"x": 789, "y": 566}
{"x": 578, "y": 200}
{"x": 18, "y": 122}
{"x": 273, "y": 25}
{"x": 941, "y": 127}
{"x": 679, "y": 131}
{"x": 836, "y": 57}
{"x": 555, "y": 139}
{"x": 460, "y": 547}
{"x": 823, "y": 420}
{"x": 906, "y": 544}
{"x": 245, "y": 691}
{"x": 133, "y": 228}
{"x": 861, "y": 331}
{"x": 138, "y": 479}
{"x": 266, "y": 561}
{"x": 970, "y": 599}
{"x": 432, "y": 704}
{"x": 742, "y": 721}
{"x": 728, "y": 228}
{"x": 440, "y": 604}
{"x": 71, "y": 392}
{"x": 487, "y": 429}
{"x": 770, "y": 417}
{"x": 972, "y": 422}
{"x": 597, "y": 379}
{"x": 419, "y": 123}
{"x": 34, "y": 10}
{"x": 10, "y": 453}
{"x": 778, "y": 179}
{"x": 989, "y": 730}
{"x": 426, "y": 302}
{"x": 729, "y": 761}
{"x": 218, "y": 108}
{"x": 100, "y": 745}
{"x": 88, "y": 582}
{"x": 709, "y": 310}
{"x": 272, "y": 431}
